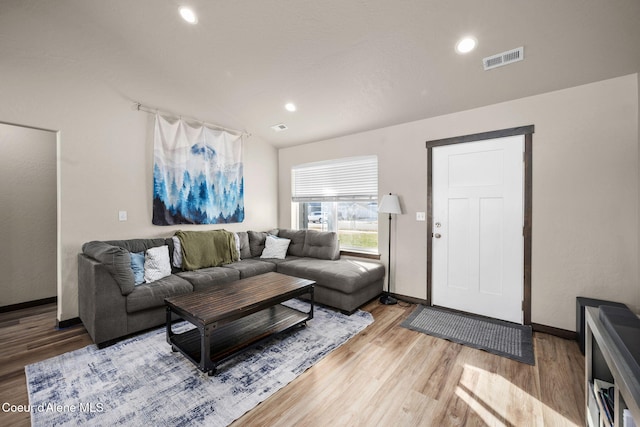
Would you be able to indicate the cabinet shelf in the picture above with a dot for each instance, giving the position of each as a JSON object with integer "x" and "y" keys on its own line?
{"x": 240, "y": 334}
{"x": 606, "y": 367}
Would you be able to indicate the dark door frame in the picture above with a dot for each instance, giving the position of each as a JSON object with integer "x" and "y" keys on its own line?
{"x": 527, "y": 131}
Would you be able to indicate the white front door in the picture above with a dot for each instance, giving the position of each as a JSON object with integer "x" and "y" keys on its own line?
{"x": 478, "y": 217}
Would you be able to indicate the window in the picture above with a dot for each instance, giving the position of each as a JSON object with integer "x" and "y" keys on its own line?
{"x": 339, "y": 195}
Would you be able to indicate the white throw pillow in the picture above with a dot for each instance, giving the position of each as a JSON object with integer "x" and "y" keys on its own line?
{"x": 177, "y": 252}
{"x": 156, "y": 263}
{"x": 275, "y": 247}
{"x": 237, "y": 238}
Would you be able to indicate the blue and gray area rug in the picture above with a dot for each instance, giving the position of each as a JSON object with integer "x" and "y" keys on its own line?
{"x": 494, "y": 336}
{"x": 140, "y": 381}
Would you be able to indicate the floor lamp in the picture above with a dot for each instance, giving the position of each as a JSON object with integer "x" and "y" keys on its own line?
{"x": 391, "y": 205}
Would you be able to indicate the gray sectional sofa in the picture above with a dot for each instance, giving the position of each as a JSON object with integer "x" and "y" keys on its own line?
{"x": 112, "y": 306}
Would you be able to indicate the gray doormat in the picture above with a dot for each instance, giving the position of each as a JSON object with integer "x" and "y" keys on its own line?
{"x": 494, "y": 336}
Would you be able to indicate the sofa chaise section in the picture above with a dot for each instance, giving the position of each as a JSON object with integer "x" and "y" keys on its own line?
{"x": 344, "y": 284}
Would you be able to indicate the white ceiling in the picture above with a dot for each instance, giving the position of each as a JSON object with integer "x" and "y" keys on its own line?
{"x": 349, "y": 65}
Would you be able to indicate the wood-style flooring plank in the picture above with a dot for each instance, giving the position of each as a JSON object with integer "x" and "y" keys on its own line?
{"x": 386, "y": 375}
{"x": 422, "y": 380}
{"x": 562, "y": 397}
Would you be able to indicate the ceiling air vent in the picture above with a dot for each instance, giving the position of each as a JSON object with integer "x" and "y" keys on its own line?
{"x": 279, "y": 127}
{"x": 504, "y": 58}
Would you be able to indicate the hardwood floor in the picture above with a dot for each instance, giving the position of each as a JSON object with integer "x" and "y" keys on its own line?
{"x": 28, "y": 336}
{"x": 387, "y": 375}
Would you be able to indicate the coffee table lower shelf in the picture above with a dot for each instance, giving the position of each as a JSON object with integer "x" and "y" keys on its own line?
{"x": 229, "y": 339}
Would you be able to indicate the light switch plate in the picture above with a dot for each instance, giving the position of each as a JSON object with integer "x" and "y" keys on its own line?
{"x": 122, "y": 215}
{"x": 420, "y": 216}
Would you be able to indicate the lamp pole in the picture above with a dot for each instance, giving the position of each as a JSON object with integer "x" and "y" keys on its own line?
{"x": 386, "y": 298}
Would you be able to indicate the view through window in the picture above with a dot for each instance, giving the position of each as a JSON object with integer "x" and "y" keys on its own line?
{"x": 341, "y": 196}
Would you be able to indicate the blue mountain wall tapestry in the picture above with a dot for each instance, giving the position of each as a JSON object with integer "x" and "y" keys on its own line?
{"x": 197, "y": 174}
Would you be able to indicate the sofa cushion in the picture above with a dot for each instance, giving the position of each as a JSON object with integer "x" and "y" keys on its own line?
{"x": 296, "y": 247}
{"x": 252, "y": 267}
{"x": 321, "y": 245}
{"x": 245, "y": 250}
{"x": 141, "y": 245}
{"x": 152, "y": 295}
{"x": 257, "y": 240}
{"x": 277, "y": 261}
{"x": 345, "y": 275}
{"x": 208, "y": 277}
{"x": 116, "y": 259}
{"x": 137, "y": 245}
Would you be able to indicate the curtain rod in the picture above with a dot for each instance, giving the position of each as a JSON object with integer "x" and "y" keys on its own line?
{"x": 139, "y": 107}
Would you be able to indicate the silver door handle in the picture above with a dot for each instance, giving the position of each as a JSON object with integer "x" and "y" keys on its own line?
{"x": 437, "y": 235}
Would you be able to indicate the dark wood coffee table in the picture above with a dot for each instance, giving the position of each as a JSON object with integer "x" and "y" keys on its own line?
{"x": 232, "y": 317}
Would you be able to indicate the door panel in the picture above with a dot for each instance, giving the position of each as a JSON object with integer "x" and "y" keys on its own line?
{"x": 459, "y": 244}
{"x": 475, "y": 169}
{"x": 478, "y": 244}
{"x": 491, "y": 263}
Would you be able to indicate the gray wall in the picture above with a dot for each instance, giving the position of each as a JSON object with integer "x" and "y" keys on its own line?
{"x": 27, "y": 214}
{"x": 585, "y": 191}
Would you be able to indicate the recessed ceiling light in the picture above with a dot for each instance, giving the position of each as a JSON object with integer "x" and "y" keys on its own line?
{"x": 188, "y": 15}
{"x": 466, "y": 45}
{"x": 290, "y": 107}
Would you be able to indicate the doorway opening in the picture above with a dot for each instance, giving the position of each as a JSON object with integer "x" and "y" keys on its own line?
{"x": 28, "y": 218}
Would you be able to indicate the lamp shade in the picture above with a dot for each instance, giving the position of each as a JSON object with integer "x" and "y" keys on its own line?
{"x": 390, "y": 204}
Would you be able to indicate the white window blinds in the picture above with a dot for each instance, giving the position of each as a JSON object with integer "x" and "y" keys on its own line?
{"x": 353, "y": 178}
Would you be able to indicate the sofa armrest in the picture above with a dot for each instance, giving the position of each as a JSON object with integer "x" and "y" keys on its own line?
{"x": 117, "y": 260}
{"x": 101, "y": 305}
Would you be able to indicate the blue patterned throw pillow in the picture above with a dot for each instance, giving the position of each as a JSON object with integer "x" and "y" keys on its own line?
{"x": 137, "y": 265}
